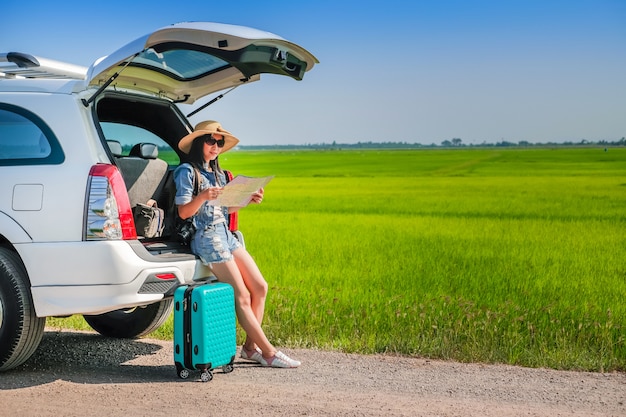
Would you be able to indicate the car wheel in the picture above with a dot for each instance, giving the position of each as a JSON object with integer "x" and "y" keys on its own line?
{"x": 20, "y": 328}
{"x": 128, "y": 323}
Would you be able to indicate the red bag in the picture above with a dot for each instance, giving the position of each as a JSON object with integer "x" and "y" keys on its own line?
{"x": 233, "y": 218}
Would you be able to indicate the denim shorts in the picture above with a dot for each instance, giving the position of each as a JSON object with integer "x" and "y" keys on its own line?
{"x": 214, "y": 244}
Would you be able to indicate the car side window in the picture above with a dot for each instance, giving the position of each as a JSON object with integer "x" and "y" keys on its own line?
{"x": 25, "y": 139}
{"x": 128, "y": 136}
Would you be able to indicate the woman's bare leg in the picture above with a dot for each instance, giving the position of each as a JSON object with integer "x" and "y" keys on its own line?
{"x": 256, "y": 285}
{"x": 251, "y": 289}
{"x": 229, "y": 273}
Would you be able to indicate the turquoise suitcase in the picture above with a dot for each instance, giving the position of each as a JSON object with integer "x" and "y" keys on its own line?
{"x": 204, "y": 329}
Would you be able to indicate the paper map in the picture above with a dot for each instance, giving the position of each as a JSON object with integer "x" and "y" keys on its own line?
{"x": 238, "y": 192}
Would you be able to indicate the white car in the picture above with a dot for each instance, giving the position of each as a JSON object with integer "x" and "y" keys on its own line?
{"x": 79, "y": 148}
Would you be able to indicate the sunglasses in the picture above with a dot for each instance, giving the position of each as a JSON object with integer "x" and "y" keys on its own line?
{"x": 210, "y": 140}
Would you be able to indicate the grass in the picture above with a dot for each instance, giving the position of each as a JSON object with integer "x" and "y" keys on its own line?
{"x": 477, "y": 255}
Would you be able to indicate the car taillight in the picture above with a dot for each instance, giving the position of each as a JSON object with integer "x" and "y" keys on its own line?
{"x": 108, "y": 212}
{"x": 166, "y": 276}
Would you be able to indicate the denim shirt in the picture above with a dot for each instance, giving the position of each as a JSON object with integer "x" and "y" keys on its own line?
{"x": 183, "y": 178}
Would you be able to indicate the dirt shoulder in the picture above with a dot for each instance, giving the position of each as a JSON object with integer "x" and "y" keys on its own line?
{"x": 83, "y": 374}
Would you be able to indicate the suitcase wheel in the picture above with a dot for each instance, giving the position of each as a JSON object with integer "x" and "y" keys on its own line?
{"x": 227, "y": 368}
{"x": 206, "y": 376}
{"x": 183, "y": 374}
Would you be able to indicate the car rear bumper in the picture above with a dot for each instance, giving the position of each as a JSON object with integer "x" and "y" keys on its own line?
{"x": 96, "y": 277}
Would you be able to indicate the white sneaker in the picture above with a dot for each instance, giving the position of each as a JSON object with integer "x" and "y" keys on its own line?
{"x": 279, "y": 360}
{"x": 253, "y": 357}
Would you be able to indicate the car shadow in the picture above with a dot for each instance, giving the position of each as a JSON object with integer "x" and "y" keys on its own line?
{"x": 87, "y": 358}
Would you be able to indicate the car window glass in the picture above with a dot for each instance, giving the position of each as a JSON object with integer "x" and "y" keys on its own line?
{"x": 20, "y": 138}
{"x": 180, "y": 64}
{"x": 129, "y": 135}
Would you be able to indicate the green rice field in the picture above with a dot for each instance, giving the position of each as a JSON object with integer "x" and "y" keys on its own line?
{"x": 492, "y": 255}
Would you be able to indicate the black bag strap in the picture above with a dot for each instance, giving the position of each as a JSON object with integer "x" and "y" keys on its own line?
{"x": 196, "y": 179}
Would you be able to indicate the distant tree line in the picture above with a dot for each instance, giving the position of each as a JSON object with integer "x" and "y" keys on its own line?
{"x": 452, "y": 143}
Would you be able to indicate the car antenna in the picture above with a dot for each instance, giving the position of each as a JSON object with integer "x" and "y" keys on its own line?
{"x": 86, "y": 103}
{"x": 213, "y": 100}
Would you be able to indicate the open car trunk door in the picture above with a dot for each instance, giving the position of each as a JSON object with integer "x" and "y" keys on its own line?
{"x": 186, "y": 61}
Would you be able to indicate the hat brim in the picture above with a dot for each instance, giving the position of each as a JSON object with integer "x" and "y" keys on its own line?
{"x": 230, "y": 141}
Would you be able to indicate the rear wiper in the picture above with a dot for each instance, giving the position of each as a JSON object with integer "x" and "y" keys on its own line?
{"x": 86, "y": 103}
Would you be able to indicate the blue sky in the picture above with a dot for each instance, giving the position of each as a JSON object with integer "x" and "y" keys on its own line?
{"x": 414, "y": 71}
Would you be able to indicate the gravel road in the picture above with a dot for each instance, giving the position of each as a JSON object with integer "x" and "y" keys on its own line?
{"x": 83, "y": 374}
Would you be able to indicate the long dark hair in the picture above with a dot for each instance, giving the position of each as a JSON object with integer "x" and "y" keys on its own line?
{"x": 196, "y": 157}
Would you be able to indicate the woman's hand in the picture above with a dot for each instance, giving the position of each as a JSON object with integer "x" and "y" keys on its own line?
{"x": 211, "y": 193}
{"x": 187, "y": 210}
{"x": 258, "y": 196}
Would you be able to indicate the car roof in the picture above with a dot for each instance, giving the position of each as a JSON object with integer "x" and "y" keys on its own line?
{"x": 21, "y": 65}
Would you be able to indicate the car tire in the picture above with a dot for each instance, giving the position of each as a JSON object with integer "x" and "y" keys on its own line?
{"x": 128, "y": 323}
{"x": 20, "y": 328}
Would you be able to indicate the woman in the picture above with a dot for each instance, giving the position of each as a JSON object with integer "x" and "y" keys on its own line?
{"x": 216, "y": 245}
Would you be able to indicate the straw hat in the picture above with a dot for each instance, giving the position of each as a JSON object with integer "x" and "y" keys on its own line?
{"x": 206, "y": 128}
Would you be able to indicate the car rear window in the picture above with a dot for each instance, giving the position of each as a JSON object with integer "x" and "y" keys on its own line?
{"x": 180, "y": 64}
